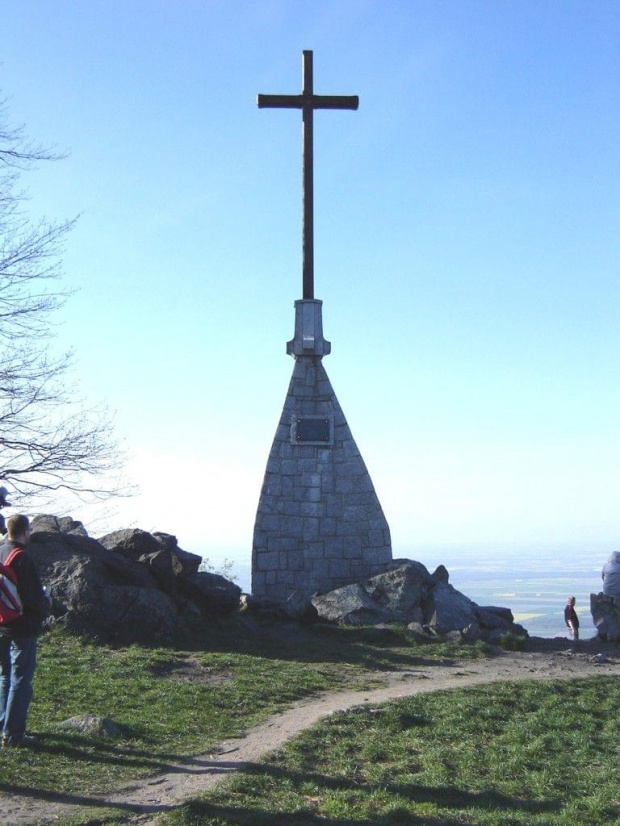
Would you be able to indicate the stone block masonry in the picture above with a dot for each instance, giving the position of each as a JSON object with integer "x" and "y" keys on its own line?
{"x": 319, "y": 523}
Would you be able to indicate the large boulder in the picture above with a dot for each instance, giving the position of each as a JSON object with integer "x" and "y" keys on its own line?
{"x": 137, "y": 587}
{"x": 99, "y": 593}
{"x": 400, "y": 594}
{"x": 406, "y": 593}
{"x": 351, "y": 604}
{"x": 64, "y": 558}
{"x": 158, "y": 551}
{"x": 606, "y": 616}
{"x": 124, "y": 615}
{"x": 451, "y": 610}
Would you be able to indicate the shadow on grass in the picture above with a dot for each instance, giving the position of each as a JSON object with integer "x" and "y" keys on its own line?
{"x": 206, "y": 811}
{"x": 81, "y": 749}
{"x": 448, "y": 797}
{"x": 81, "y": 801}
{"x": 197, "y": 811}
{"x": 85, "y": 748}
{"x": 374, "y": 648}
{"x": 194, "y": 766}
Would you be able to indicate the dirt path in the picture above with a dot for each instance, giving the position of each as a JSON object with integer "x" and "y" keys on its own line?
{"x": 549, "y": 661}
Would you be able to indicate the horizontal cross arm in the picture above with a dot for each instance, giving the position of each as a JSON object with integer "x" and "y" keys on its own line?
{"x": 335, "y": 101}
{"x": 314, "y": 101}
{"x": 280, "y": 101}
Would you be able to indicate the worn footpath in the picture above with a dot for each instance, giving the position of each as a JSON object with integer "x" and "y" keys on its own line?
{"x": 546, "y": 660}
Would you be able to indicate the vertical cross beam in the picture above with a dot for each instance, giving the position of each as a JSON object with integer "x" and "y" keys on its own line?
{"x": 308, "y": 102}
{"x": 308, "y": 177}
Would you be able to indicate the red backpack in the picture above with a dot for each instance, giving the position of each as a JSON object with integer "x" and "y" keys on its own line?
{"x": 10, "y": 602}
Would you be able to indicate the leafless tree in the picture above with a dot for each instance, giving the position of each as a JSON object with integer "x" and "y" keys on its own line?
{"x": 48, "y": 440}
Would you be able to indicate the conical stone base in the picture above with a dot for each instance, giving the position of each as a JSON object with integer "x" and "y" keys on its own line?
{"x": 319, "y": 523}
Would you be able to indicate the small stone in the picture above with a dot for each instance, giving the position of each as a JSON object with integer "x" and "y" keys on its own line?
{"x": 90, "y": 724}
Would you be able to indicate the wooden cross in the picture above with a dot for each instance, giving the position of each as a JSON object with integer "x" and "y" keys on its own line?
{"x": 308, "y": 102}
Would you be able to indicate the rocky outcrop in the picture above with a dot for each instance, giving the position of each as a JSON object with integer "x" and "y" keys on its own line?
{"x": 132, "y": 586}
{"x": 606, "y": 616}
{"x": 406, "y": 593}
{"x": 129, "y": 586}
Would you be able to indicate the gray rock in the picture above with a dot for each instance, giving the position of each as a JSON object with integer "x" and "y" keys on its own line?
{"x": 451, "y": 609}
{"x": 262, "y": 607}
{"x": 167, "y": 541}
{"x": 165, "y": 567}
{"x": 212, "y": 593}
{"x": 138, "y": 615}
{"x": 402, "y": 592}
{"x": 406, "y": 593}
{"x": 299, "y": 607}
{"x": 349, "y": 604}
{"x": 472, "y": 633}
{"x": 440, "y": 574}
{"x": 45, "y": 523}
{"x": 127, "y": 596}
{"x": 132, "y": 543}
{"x": 504, "y": 613}
{"x": 420, "y": 633}
{"x": 493, "y": 636}
{"x": 101, "y": 594}
{"x": 494, "y": 618}
{"x": 519, "y": 630}
{"x": 67, "y": 558}
{"x": 191, "y": 620}
{"x": 92, "y": 725}
{"x": 606, "y": 616}
{"x": 190, "y": 563}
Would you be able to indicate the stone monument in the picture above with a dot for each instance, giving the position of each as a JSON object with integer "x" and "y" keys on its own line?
{"x": 319, "y": 523}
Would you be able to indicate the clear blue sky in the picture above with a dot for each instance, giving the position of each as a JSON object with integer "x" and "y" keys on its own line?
{"x": 467, "y": 251}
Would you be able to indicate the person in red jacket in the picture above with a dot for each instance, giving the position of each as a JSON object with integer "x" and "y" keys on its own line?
{"x": 18, "y": 638}
{"x": 571, "y": 619}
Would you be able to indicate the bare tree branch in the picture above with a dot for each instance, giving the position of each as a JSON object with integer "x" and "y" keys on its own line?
{"x": 49, "y": 441}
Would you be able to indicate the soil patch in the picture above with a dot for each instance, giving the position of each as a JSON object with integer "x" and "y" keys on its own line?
{"x": 191, "y": 670}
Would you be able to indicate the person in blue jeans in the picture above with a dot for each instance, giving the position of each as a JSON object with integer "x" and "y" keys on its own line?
{"x": 18, "y": 638}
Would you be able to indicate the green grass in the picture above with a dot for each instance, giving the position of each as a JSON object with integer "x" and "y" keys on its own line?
{"x": 175, "y": 704}
{"x": 524, "y": 754}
